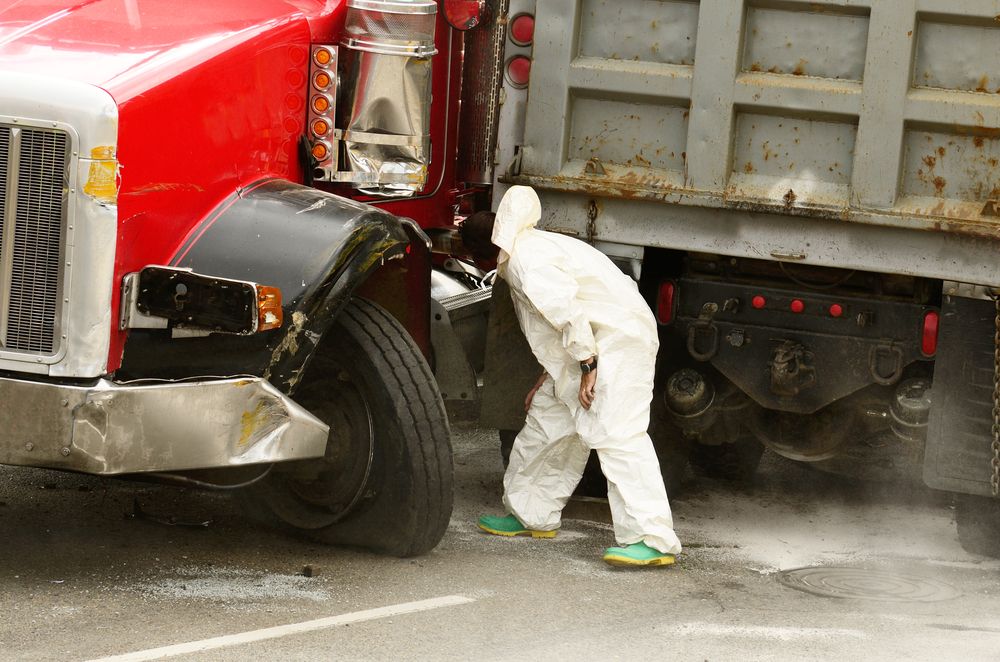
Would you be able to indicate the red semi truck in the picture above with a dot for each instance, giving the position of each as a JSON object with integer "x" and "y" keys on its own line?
{"x": 192, "y": 286}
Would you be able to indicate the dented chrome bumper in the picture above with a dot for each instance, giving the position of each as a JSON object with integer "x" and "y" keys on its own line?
{"x": 110, "y": 428}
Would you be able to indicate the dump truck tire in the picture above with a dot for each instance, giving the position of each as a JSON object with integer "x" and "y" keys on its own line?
{"x": 978, "y": 523}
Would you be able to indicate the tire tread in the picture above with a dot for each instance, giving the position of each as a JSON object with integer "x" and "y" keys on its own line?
{"x": 412, "y": 390}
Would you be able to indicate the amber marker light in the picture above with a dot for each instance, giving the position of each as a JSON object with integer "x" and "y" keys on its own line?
{"x": 102, "y": 178}
{"x": 322, "y": 80}
{"x": 320, "y": 104}
{"x": 322, "y": 57}
{"x": 320, "y": 151}
{"x": 320, "y": 127}
{"x": 269, "y": 312}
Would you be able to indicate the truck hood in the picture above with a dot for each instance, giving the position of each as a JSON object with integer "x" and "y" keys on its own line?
{"x": 128, "y": 46}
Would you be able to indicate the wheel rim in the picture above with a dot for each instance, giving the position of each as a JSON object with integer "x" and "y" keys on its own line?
{"x": 826, "y": 431}
{"x": 332, "y": 488}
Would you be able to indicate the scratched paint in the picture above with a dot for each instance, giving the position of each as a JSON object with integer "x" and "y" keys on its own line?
{"x": 829, "y": 44}
{"x": 957, "y": 56}
{"x": 659, "y": 31}
{"x": 643, "y": 135}
{"x": 950, "y": 174}
{"x": 774, "y": 154}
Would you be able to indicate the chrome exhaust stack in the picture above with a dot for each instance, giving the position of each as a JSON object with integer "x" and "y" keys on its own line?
{"x": 383, "y": 120}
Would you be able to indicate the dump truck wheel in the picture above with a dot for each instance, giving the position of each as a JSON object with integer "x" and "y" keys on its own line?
{"x": 978, "y": 523}
{"x": 736, "y": 461}
{"x": 386, "y": 482}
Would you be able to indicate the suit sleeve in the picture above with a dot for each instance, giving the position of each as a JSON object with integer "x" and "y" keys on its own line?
{"x": 553, "y": 293}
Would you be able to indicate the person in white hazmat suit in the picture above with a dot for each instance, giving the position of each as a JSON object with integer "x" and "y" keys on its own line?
{"x": 596, "y": 339}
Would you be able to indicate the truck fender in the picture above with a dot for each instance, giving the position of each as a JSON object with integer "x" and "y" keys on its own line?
{"x": 315, "y": 246}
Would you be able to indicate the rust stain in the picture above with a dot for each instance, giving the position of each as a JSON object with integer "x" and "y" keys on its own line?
{"x": 755, "y": 66}
{"x": 978, "y": 141}
{"x": 939, "y": 184}
{"x": 748, "y": 168}
{"x": 930, "y": 161}
{"x": 909, "y": 33}
{"x": 800, "y": 68}
{"x": 774, "y": 70}
{"x": 766, "y": 149}
{"x": 940, "y": 151}
{"x": 642, "y": 161}
{"x": 789, "y": 198}
{"x": 983, "y": 82}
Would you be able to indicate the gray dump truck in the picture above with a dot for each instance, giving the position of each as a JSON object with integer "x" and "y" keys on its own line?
{"x": 808, "y": 194}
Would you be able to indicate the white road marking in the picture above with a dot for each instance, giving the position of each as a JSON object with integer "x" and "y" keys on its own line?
{"x": 762, "y": 631}
{"x": 286, "y": 630}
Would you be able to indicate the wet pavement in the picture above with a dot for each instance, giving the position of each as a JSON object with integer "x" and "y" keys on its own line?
{"x": 84, "y": 578}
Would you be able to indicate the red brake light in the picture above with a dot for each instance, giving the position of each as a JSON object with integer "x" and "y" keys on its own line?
{"x": 836, "y": 310}
{"x": 522, "y": 29}
{"x": 519, "y": 71}
{"x": 758, "y": 302}
{"x": 929, "y": 338}
{"x": 464, "y": 14}
{"x": 665, "y": 302}
{"x": 797, "y": 306}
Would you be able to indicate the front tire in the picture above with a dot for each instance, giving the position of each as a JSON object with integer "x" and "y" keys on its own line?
{"x": 386, "y": 482}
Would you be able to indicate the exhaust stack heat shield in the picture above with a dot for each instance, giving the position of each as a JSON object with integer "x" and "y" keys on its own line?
{"x": 384, "y": 120}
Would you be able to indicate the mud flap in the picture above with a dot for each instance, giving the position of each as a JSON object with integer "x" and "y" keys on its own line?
{"x": 958, "y": 435}
{"x": 511, "y": 369}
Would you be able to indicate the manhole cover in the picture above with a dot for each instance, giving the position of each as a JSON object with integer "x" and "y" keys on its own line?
{"x": 862, "y": 584}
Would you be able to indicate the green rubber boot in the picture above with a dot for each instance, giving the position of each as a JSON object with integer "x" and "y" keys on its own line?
{"x": 636, "y": 554}
{"x": 510, "y": 526}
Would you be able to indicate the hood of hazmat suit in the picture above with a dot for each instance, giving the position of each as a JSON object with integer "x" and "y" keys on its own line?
{"x": 573, "y": 303}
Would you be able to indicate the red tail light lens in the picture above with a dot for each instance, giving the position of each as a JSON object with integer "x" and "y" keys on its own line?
{"x": 665, "y": 302}
{"x": 519, "y": 71}
{"x": 464, "y": 14}
{"x": 522, "y": 29}
{"x": 929, "y": 338}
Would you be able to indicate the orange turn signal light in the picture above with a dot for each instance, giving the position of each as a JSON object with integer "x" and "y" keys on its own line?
{"x": 320, "y": 151}
{"x": 322, "y": 80}
{"x": 269, "y": 312}
{"x": 322, "y": 56}
{"x": 320, "y": 104}
{"x": 320, "y": 127}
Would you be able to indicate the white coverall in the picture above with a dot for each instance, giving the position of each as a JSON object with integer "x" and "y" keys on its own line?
{"x": 573, "y": 303}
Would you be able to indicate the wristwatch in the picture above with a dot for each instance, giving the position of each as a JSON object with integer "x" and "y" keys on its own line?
{"x": 588, "y": 367}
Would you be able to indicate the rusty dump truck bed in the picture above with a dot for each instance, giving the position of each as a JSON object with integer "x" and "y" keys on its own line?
{"x": 805, "y": 120}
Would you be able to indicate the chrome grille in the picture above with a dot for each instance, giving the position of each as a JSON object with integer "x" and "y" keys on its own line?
{"x": 34, "y": 178}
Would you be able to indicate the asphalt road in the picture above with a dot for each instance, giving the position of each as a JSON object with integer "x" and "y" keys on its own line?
{"x": 82, "y": 579}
